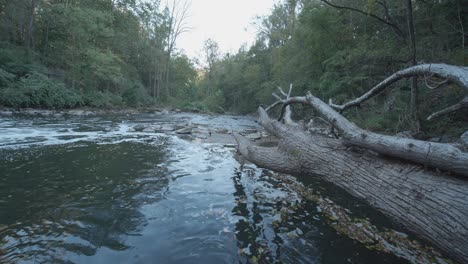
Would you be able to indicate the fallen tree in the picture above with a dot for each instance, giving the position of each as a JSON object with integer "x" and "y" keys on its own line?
{"x": 390, "y": 173}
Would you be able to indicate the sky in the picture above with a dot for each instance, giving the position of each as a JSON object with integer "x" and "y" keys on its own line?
{"x": 228, "y": 22}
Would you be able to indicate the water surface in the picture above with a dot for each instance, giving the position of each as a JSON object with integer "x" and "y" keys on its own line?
{"x": 92, "y": 190}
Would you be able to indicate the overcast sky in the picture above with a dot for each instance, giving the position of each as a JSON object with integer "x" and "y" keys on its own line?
{"x": 228, "y": 22}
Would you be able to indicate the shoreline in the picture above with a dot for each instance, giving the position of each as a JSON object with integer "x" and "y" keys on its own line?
{"x": 87, "y": 112}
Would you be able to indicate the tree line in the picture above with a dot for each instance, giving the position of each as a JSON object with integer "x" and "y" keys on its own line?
{"x": 101, "y": 53}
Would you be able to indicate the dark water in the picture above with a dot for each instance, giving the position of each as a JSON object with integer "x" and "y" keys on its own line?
{"x": 91, "y": 191}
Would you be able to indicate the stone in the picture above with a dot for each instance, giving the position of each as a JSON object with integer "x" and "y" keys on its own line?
{"x": 149, "y": 129}
{"x": 185, "y": 130}
{"x": 222, "y": 131}
{"x": 254, "y": 136}
{"x": 249, "y": 131}
{"x": 139, "y": 128}
{"x": 165, "y": 128}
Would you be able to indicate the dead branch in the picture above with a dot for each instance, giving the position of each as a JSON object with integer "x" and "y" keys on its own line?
{"x": 387, "y": 22}
{"x": 462, "y": 104}
{"x": 285, "y": 114}
{"x": 454, "y": 74}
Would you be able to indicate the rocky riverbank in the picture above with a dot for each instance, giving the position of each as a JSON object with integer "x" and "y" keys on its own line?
{"x": 32, "y": 112}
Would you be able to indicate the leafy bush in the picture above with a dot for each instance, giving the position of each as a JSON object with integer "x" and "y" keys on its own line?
{"x": 196, "y": 105}
{"x": 136, "y": 95}
{"x": 6, "y": 78}
{"x": 215, "y": 102}
{"x": 102, "y": 99}
{"x": 37, "y": 90}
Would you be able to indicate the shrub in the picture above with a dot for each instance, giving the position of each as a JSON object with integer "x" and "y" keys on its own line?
{"x": 215, "y": 101}
{"x": 102, "y": 99}
{"x": 136, "y": 95}
{"x": 37, "y": 90}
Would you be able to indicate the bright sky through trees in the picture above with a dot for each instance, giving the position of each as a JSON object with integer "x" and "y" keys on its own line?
{"x": 228, "y": 22}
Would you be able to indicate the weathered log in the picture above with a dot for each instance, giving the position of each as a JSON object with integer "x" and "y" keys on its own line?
{"x": 438, "y": 155}
{"x": 432, "y": 205}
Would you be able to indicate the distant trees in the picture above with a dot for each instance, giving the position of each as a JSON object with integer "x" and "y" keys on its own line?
{"x": 212, "y": 54}
{"x": 176, "y": 23}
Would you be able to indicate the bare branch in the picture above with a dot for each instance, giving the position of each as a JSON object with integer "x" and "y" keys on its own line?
{"x": 434, "y": 84}
{"x": 387, "y": 22}
{"x": 285, "y": 112}
{"x": 455, "y": 74}
{"x": 462, "y": 104}
{"x": 273, "y": 105}
{"x": 276, "y": 97}
{"x": 281, "y": 91}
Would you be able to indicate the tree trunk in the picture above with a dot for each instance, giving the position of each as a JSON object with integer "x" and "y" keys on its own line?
{"x": 414, "y": 107}
{"x": 432, "y": 205}
{"x": 438, "y": 155}
{"x": 46, "y": 42}
{"x": 29, "y": 37}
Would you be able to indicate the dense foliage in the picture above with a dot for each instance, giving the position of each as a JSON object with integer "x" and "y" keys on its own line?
{"x": 99, "y": 53}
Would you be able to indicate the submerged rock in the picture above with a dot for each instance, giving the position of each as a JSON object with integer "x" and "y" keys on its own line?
{"x": 78, "y": 112}
{"x": 185, "y": 130}
{"x": 165, "y": 128}
{"x": 249, "y": 131}
{"x": 149, "y": 129}
{"x": 139, "y": 128}
{"x": 254, "y": 136}
{"x": 6, "y": 113}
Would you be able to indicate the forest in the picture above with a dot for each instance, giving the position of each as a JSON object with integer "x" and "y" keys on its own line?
{"x": 122, "y": 53}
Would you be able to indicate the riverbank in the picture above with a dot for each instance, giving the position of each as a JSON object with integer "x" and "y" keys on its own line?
{"x": 37, "y": 112}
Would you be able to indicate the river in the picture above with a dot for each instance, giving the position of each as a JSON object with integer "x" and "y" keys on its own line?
{"x": 94, "y": 190}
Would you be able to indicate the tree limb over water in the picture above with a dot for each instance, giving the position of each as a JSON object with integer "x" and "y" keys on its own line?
{"x": 388, "y": 172}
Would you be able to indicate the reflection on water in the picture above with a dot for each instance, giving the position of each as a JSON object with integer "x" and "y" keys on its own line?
{"x": 90, "y": 191}
{"x": 77, "y": 198}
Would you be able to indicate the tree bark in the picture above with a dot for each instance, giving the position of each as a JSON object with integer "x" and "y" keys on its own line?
{"x": 438, "y": 155}
{"x": 432, "y": 205}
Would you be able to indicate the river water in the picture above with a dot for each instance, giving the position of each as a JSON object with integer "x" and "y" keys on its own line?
{"x": 92, "y": 190}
